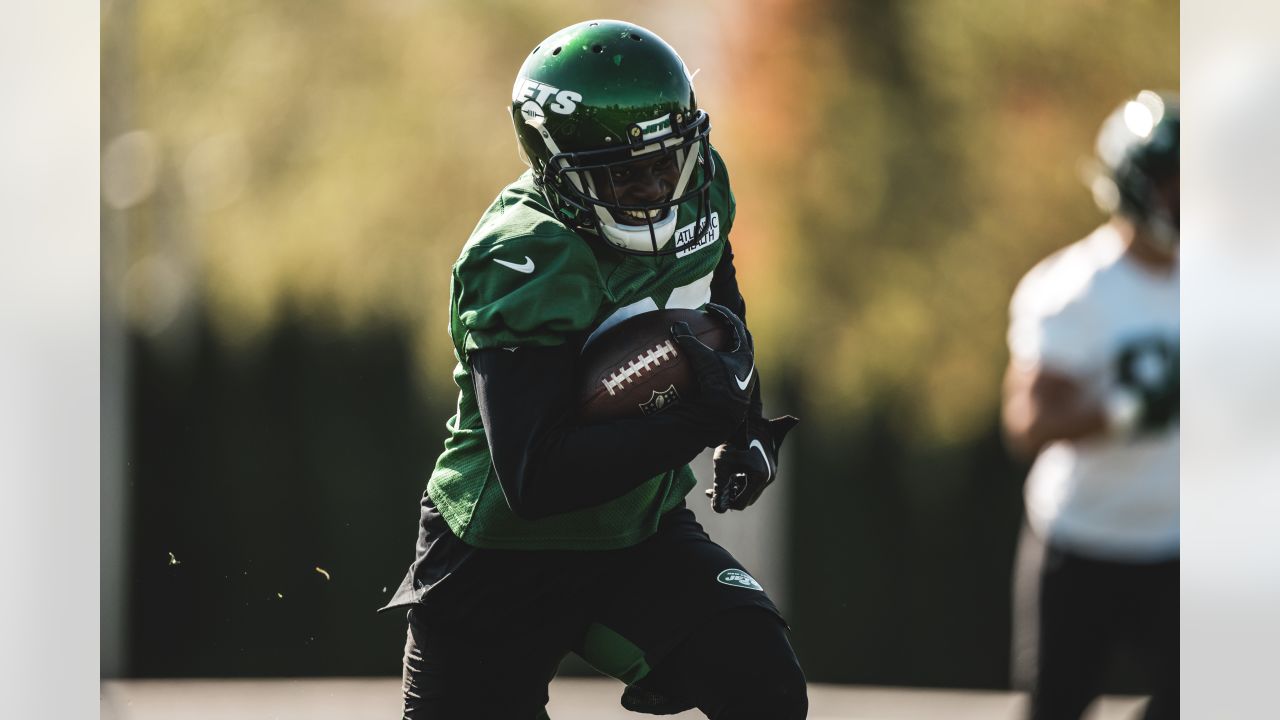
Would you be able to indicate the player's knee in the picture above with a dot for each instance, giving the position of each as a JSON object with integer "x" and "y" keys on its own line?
{"x": 765, "y": 676}
{"x": 778, "y": 691}
{"x": 787, "y": 693}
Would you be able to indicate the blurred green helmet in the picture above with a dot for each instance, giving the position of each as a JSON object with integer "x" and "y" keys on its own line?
{"x": 601, "y": 94}
{"x": 1138, "y": 147}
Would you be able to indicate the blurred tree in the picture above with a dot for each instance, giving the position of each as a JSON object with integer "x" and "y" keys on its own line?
{"x": 936, "y": 156}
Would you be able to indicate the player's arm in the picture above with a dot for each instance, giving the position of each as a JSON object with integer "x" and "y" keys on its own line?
{"x": 546, "y": 461}
{"x": 745, "y": 466}
{"x": 724, "y": 291}
{"x": 1043, "y": 406}
{"x": 1064, "y": 385}
{"x": 1054, "y": 355}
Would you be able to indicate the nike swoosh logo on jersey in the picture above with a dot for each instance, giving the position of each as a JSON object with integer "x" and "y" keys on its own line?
{"x": 526, "y": 267}
{"x": 758, "y": 446}
{"x": 743, "y": 382}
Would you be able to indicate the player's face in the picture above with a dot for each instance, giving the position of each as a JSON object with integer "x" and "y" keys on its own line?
{"x": 647, "y": 180}
{"x": 1160, "y": 232}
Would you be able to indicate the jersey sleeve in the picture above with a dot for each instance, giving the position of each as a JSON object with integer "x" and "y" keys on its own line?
{"x": 1050, "y": 331}
{"x": 530, "y": 291}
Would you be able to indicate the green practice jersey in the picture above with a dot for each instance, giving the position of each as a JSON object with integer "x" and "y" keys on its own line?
{"x": 526, "y": 280}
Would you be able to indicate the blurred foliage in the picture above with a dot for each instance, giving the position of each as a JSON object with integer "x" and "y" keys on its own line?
{"x": 306, "y": 170}
{"x": 898, "y": 164}
{"x": 324, "y": 158}
{"x": 937, "y": 160}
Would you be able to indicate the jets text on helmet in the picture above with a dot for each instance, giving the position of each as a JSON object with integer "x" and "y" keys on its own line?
{"x": 566, "y": 100}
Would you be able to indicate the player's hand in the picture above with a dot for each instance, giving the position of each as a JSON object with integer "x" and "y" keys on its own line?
{"x": 1148, "y": 373}
{"x": 744, "y": 470}
{"x": 725, "y": 379}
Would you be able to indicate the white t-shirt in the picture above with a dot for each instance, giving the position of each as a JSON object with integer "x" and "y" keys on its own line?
{"x": 1075, "y": 313}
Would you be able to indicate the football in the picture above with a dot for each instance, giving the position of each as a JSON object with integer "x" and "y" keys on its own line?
{"x": 635, "y": 368}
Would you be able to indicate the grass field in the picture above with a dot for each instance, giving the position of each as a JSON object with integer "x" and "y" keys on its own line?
{"x": 571, "y": 699}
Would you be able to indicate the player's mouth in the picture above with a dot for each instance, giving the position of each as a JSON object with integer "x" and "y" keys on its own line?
{"x": 640, "y": 217}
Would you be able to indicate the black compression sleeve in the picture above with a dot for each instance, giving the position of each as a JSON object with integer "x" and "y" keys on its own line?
{"x": 546, "y": 462}
{"x": 724, "y": 291}
{"x": 724, "y": 285}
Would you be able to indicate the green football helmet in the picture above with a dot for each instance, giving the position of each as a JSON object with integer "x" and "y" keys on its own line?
{"x": 1138, "y": 147}
{"x": 596, "y": 96}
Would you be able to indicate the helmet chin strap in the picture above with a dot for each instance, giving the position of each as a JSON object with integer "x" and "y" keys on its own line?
{"x": 639, "y": 237}
{"x": 628, "y": 237}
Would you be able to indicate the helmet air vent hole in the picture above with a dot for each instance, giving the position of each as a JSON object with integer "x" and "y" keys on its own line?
{"x": 597, "y": 48}
{"x": 535, "y": 50}
{"x": 556, "y": 51}
{"x": 592, "y": 24}
{"x": 636, "y": 37}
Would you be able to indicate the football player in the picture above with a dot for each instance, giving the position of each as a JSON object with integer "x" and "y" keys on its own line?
{"x": 1092, "y": 391}
{"x": 542, "y": 535}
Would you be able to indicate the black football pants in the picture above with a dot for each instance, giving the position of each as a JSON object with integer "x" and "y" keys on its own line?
{"x": 676, "y": 617}
{"x": 738, "y": 666}
{"x": 1074, "y": 611}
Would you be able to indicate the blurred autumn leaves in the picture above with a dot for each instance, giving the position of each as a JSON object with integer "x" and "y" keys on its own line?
{"x": 898, "y": 165}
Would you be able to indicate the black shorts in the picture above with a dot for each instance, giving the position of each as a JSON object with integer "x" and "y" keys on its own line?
{"x": 503, "y": 620}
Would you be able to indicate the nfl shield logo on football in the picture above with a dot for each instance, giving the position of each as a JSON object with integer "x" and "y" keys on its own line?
{"x": 660, "y": 400}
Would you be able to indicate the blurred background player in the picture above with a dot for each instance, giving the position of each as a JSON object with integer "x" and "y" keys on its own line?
{"x": 1092, "y": 392}
{"x": 541, "y": 535}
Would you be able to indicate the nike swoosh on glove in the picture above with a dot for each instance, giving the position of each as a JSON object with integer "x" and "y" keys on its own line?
{"x": 743, "y": 472}
{"x": 725, "y": 379}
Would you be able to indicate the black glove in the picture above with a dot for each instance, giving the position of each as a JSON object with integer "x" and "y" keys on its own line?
{"x": 1149, "y": 370}
{"x": 743, "y": 470}
{"x": 640, "y": 698}
{"x": 725, "y": 379}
